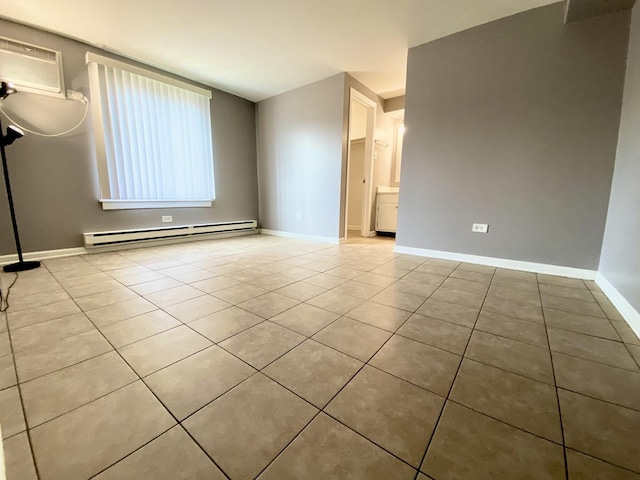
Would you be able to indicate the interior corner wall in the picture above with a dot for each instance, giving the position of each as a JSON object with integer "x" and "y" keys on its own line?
{"x": 55, "y": 180}
{"x": 620, "y": 261}
{"x": 300, "y": 136}
{"x": 514, "y": 124}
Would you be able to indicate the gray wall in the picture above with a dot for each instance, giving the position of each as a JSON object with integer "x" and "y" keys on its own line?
{"x": 300, "y": 140}
{"x": 55, "y": 183}
{"x": 514, "y": 124}
{"x": 620, "y": 262}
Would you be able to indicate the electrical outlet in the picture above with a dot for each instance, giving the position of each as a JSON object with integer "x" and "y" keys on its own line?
{"x": 167, "y": 219}
{"x": 299, "y": 216}
{"x": 480, "y": 228}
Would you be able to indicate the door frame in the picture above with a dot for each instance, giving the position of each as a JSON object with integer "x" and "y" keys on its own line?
{"x": 369, "y": 153}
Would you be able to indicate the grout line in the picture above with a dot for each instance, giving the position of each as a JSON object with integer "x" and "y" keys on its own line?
{"x": 435, "y": 426}
{"x": 555, "y": 382}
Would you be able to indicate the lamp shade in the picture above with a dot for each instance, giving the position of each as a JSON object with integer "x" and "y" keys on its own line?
{"x": 13, "y": 133}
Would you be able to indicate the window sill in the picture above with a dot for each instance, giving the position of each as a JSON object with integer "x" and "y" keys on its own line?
{"x": 137, "y": 204}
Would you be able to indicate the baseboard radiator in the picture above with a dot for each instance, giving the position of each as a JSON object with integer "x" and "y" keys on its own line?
{"x": 124, "y": 237}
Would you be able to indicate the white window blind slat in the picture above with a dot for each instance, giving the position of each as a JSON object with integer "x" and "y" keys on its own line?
{"x": 157, "y": 138}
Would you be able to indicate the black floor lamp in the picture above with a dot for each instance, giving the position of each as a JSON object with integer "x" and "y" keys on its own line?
{"x": 13, "y": 133}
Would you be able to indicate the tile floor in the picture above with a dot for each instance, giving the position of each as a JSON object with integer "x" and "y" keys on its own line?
{"x": 261, "y": 357}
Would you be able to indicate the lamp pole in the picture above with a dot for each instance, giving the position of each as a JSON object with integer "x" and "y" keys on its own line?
{"x": 21, "y": 265}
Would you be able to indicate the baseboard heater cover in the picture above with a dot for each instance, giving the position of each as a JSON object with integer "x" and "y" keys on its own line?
{"x": 121, "y": 237}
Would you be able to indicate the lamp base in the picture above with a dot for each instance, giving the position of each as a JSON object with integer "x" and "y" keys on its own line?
{"x": 21, "y": 266}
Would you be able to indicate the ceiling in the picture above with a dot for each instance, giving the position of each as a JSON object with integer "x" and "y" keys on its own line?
{"x": 260, "y": 48}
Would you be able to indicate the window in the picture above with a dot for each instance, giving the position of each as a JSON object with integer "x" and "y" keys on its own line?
{"x": 152, "y": 136}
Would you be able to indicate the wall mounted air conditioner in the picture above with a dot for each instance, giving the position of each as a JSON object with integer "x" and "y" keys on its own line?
{"x": 31, "y": 68}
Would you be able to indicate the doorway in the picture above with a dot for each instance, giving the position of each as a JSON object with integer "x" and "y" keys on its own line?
{"x": 360, "y": 158}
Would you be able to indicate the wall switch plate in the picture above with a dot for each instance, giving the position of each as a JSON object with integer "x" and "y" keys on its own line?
{"x": 167, "y": 219}
{"x": 298, "y": 216}
{"x": 480, "y": 228}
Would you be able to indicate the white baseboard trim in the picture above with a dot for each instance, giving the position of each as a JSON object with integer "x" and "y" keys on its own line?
{"x": 301, "y": 236}
{"x": 354, "y": 227}
{"x": 630, "y": 314}
{"x": 43, "y": 255}
{"x": 501, "y": 262}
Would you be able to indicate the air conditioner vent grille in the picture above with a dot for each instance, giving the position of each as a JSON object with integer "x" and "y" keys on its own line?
{"x": 31, "y": 68}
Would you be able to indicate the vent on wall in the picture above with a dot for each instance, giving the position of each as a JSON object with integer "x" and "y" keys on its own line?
{"x": 31, "y": 68}
{"x": 123, "y": 237}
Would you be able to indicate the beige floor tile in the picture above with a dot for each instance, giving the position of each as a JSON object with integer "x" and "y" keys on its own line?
{"x": 239, "y": 293}
{"x": 465, "y": 285}
{"x": 583, "y": 467}
{"x": 424, "y": 278}
{"x": 51, "y": 331}
{"x": 137, "y": 328}
{"x": 353, "y": 338}
{"x": 591, "y": 348}
{"x": 5, "y": 344}
{"x": 313, "y": 371}
{"x": 89, "y": 285}
{"x": 172, "y": 455}
{"x": 397, "y": 299}
{"x": 156, "y": 352}
{"x": 262, "y": 344}
{"x": 609, "y": 309}
{"x": 603, "y": 382}
{"x": 516, "y": 274}
{"x": 375, "y": 279}
{"x": 137, "y": 278}
{"x": 635, "y": 352}
{"x": 335, "y": 302}
{"x": 194, "y": 276}
{"x": 60, "y": 392}
{"x": 478, "y": 277}
{"x": 344, "y": 272}
{"x": 195, "y": 308}
{"x": 435, "y": 269}
{"x": 516, "y": 357}
{"x": 597, "y": 327}
{"x": 268, "y": 305}
{"x": 120, "y": 311}
{"x": 438, "y": 333}
{"x": 568, "y": 292}
{"x": 171, "y": 296}
{"x": 530, "y": 285}
{"x": 326, "y": 449}
{"x": 561, "y": 281}
{"x": 11, "y": 416}
{"x": 225, "y": 323}
{"x": 417, "y": 363}
{"x": 248, "y": 274}
{"x": 449, "y": 312}
{"x": 214, "y": 284}
{"x": 87, "y": 440}
{"x": 97, "y": 300}
{"x": 626, "y": 333}
{"x": 458, "y": 297}
{"x": 18, "y": 460}
{"x": 259, "y": 410}
{"x": 358, "y": 289}
{"x": 381, "y": 316}
{"x": 158, "y": 285}
{"x": 601, "y": 429}
{"x": 44, "y": 313}
{"x": 574, "y": 306}
{"x": 513, "y": 328}
{"x": 305, "y": 319}
{"x": 414, "y": 288}
{"x": 516, "y": 295}
{"x": 510, "y": 308}
{"x": 26, "y": 302}
{"x": 190, "y": 384}
{"x": 510, "y": 398}
{"x": 7, "y": 372}
{"x": 63, "y": 353}
{"x": 391, "y": 271}
{"x": 469, "y": 445}
{"x": 327, "y": 281}
{"x": 301, "y": 291}
{"x": 390, "y": 412}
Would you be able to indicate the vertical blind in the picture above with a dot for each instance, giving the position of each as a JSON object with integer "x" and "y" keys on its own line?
{"x": 156, "y": 137}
